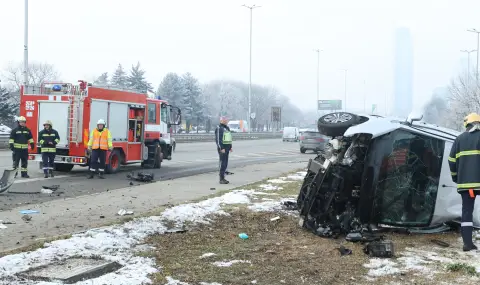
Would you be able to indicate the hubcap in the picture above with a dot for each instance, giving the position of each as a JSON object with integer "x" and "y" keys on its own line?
{"x": 336, "y": 118}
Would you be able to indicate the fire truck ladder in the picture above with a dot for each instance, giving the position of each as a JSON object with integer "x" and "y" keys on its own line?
{"x": 74, "y": 119}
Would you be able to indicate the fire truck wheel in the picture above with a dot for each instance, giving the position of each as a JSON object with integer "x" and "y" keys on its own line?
{"x": 62, "y": 167}
{"x": 115, "y": 161}
{"x": 158, "y": 156}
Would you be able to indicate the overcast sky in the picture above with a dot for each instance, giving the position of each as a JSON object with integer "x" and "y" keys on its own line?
{"x": 210, "y": 39}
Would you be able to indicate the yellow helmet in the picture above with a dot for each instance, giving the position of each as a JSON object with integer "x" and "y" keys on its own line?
{"x": 48, "y": 122}
{"x": 21, "y": 119}
{"x": 471, "y": 118}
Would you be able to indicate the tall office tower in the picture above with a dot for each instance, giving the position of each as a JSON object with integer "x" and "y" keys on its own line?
{"x": 403, "y": 81}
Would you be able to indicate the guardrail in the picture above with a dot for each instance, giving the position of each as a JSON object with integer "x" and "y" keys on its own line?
{"x": 191, "y": 138}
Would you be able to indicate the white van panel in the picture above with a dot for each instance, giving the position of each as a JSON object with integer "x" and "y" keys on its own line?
{"x": 57, "y": 112}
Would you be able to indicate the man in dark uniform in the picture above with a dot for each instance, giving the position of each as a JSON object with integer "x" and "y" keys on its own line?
{"x": 464, "y": 162}
{"x": 48, "y": 139}
{"x": 223, "y": 138}
{"x": 20, "y": 138}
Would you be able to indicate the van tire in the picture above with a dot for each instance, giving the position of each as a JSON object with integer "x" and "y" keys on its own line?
{"x": 335, "y": 124}
{"x": 63, "y": 167}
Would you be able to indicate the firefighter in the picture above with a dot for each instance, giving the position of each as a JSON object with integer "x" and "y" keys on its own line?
{"x": 48, "y": 139}
{"x": 223, "y": 138}
{"x": 98, "y": 145}
{"x": 464, "y": 162}
{"x": 20, "y": 138}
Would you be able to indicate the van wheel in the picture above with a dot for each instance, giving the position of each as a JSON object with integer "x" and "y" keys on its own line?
{"x": 335, "y": 124}
{"x": 302, "y": 150}
{"x": 158, "y": 156}
{"x": 114, "y": 162}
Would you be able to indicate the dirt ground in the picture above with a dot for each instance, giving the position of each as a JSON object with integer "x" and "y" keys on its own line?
{"x": 281, "y": 252}
{"x": 276, "y": 252}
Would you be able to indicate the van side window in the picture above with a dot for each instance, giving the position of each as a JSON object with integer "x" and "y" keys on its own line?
{"x": 152, "y": 113}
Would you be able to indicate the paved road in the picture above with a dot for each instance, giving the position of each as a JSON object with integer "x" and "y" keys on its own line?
{"x": 188, "y": 159}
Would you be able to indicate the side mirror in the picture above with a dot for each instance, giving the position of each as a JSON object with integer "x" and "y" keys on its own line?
{"x": 175, "y": 116}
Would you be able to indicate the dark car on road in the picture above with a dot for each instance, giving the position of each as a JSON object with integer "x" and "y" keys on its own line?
{"x": 312, "y": 140}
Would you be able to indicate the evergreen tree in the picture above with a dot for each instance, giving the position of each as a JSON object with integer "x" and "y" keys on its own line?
{"x": 8, "y": 108}
{"x": 193, "y": 105}
{"x": 136, "y": 79}
{"x": 102, "y": 80}
{"x": 119, "y": 77}
{"x": 171, "y": 89}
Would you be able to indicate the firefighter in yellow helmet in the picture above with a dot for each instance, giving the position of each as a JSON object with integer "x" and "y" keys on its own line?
{"x": 48, "y": 139}
{"x": 20, "y": 139}
{"x": 98, "y": 145}
{"x": 464, "y": 162}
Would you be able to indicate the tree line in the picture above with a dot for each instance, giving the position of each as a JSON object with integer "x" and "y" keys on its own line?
{"x": 201, "y": 103}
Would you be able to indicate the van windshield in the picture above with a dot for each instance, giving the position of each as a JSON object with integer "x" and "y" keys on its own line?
{"x": 233, "y": 126}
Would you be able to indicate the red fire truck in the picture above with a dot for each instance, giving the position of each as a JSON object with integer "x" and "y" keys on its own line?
{"x": 140, "y": 126}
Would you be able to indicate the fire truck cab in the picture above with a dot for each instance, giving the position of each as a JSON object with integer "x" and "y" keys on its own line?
{"x": 141, "y": 126}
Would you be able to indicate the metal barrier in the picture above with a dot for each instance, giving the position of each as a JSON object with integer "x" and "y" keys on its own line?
{"x": 191, "y": 138}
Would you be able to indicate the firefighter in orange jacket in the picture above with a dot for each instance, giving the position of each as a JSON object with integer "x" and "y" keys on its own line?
{"x": 98, "y": 145}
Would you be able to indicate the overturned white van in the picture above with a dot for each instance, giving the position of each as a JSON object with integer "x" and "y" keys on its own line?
{"x": 380, "y": 171}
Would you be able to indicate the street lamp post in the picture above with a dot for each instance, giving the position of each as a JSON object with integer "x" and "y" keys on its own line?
{"x": 478, "y": 47}
{"x": 468, "y": 63}
{"x": 318, "y": 78}
{"x": 345, "y": 88}
{"x": 25, "y": 47}
{"x": 250, "y": 73}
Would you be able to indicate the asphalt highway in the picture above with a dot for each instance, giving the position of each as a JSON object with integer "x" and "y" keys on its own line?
{"x": 187, "y": 160}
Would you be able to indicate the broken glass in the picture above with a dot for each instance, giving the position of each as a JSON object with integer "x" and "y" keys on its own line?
{"x": 407, "y": 182}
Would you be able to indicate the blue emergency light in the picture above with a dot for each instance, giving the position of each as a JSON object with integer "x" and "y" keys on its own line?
{"x": 159, "y": 98}
{"x": 57, "y": 87}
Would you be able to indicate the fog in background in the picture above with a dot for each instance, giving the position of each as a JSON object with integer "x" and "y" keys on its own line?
{"x": 210, "y": 39}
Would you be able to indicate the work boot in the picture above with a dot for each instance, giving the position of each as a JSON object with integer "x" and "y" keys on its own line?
{"x": 51, "y": 173}
{"x": 224, "y": 181}
{"x": 90, "y": 176}
{"x": 100, "y": 175}
{"x": 45, "y": 173}
{"x": 25, "y": 175}
{"x": 469, "y": 247}
{"x": 467, "y": 238}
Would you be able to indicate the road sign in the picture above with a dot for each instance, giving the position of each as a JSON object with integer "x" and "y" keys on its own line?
{"x": 374, "y": 108}
{"x": 253, "y": 115}
{"x": 276, "y": 114}
{"x": 329, "y": 105}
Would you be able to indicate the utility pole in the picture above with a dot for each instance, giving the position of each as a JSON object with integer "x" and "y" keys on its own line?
{"x": 318, "y": 78}
{"x": 468, "y": 64}
{"x": 345, "y": 88}
{"x": 25, "y": 47}
{"x": 364, "y": 96}
{"x": 250, "y": 73}
{"x": 478, "y": 47}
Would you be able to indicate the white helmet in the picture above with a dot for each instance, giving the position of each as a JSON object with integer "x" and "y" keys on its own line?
{"x": 101, "y": 122}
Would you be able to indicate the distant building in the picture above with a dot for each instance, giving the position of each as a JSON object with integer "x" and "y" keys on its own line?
{"x": 403, "y": 73}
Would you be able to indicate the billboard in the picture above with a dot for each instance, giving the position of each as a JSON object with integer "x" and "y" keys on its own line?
{"x": 329, "y": 105}
{"x": 276, "y": 114}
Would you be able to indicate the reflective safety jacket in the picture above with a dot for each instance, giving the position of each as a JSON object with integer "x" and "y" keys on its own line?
{"x": 464, "y": 161}
{"x": 100, "y": 139}
{"x": 223, "y": 137}
{"x": 48, "y": 140}
{"x": 21, "y": 137}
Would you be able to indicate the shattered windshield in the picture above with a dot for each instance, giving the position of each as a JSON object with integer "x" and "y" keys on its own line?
{"x": 407, "y": 182}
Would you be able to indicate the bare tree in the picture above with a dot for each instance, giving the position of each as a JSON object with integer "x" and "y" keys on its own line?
{"x": 37, "y": 73}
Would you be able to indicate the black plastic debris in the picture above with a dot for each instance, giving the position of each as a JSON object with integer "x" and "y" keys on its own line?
{"x": 440, "y": 243}
{"x": 51, "y": 187}
{"x": 141, "y": 177}
{"x": 229, "y": 173}
{"x": 344, "y": 251}
{"x": 384, "y": 249}
{"x": 290, "y": 205}
{"x": 176, "y": 231}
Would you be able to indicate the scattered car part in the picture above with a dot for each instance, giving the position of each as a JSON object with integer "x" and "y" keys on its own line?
{"x": 440, "y": 243}
{"x": 344, "y": 251}
{"x": 384, "y": 249}
{"x": 335, "y": 124}
{"x": 123, "y": 212}
{"x": 141, "y": 176}
{"x": 27, "y": 218}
